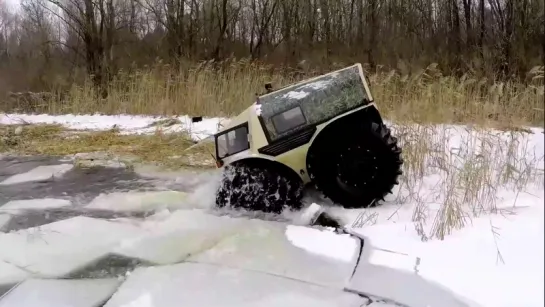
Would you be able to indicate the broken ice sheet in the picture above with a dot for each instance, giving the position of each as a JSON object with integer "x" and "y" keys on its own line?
{"x": 60, "y": 293}
{"x": 10, "y": 274}
{"x": 56, "y": 249}
{"x": 263, "y": 246}
{"x": 341, "y": 247}
{"x": 203, "y": 285}
{"x": 40, "y": 173}
{"x": 183, "y": 233}
{"x": 15, "y": 206}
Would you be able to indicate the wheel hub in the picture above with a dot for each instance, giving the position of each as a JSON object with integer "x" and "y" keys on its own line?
{"x": 357, "y": 168}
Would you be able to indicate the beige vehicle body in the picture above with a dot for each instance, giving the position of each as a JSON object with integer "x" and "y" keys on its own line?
{"x": 252, "y": 138}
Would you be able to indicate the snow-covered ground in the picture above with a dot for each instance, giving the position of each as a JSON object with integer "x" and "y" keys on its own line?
{"x": 489, "y": 183}
{"x": 127, "y": 124}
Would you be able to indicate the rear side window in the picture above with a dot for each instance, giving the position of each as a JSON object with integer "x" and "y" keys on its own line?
{"x": 319, "y": 100}
{"x": 288, "y": 120}
{"x": 232, "y": 141}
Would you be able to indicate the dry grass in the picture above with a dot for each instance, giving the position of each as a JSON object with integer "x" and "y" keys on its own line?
{"x": 205, "y": 89}
{"x": 453, "y": 174}
{"x": 173, "y": 150}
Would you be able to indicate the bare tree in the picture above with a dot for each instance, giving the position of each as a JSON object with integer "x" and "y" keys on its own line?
{"x": 100, "y": 37}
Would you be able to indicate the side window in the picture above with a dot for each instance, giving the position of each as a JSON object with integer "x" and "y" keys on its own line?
{"x": 288, "y": 120}
{"x": 232, "y": 142}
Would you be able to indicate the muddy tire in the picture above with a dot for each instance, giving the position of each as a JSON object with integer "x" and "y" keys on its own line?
{"x": 356, "y": 170}
{"x": 258, "y": 187}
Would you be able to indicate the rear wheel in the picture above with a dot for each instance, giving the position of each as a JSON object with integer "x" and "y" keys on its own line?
{"x": 358, "y": 170}
{"x": 259, "y": 186}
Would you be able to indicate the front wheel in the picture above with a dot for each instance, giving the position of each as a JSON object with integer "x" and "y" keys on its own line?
{"x": 258, "y": 186}
{"x": 357, "y": 170}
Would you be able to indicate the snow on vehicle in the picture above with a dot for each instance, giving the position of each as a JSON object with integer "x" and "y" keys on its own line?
{"x": 325, "y": 131}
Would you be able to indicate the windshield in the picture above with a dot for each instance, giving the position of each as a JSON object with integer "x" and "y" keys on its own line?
{"x": 312, "y": 102}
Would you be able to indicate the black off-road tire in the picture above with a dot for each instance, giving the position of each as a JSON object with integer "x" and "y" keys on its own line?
{"x": 259, "y": 186}
{"x": 355, "y": 164}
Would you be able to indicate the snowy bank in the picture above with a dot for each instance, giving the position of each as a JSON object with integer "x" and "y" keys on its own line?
{"x": 127, "y": 124}
{"x": 491, "y": 180}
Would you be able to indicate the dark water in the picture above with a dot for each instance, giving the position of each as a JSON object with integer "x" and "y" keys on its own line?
{"x": 85, "y": 183}
{"x": 78, "y": 185}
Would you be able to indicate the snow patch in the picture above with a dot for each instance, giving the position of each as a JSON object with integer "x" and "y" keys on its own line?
{"x": 296, "y": 95}
{"x": 257, "y": 109}
{"x": 317, "y": 85}
{"x": 40, "y": 173}
{"x": 144, "y": 300}
{"x": 80, "y": 122}
{"x": 198, "y": 131}
{"x": 127, "y": 124}
{"x": 496, "y": 251}
{"x": 325, "y": 243}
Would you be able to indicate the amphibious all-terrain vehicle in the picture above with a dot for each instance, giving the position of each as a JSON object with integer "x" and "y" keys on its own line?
{"x": 325, "y": 131}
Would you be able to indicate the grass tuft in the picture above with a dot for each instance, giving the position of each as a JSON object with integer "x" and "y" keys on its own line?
{"x": 169, "y": 150}
{"x": 453, "y": 174}
{"x": 468, "y": 167}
